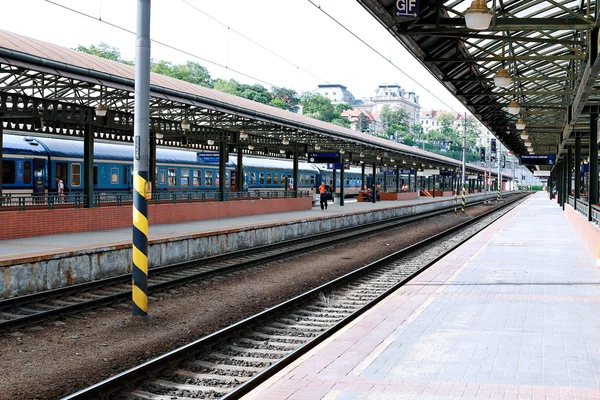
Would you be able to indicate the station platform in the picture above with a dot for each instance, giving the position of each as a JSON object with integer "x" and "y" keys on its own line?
{"x": 511, "y": 314}
{"x": 39, "y": 246}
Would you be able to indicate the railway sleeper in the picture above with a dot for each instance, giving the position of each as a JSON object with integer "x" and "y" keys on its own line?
{"x": 241, "y": 361}
{"x": 226, "y": 369}
{"x": 176, "y": 389}
{"x": 279, "y": 345}
{"x": 210, "y": 379}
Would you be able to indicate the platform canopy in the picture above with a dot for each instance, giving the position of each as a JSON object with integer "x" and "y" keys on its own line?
{"x": 549, "y": 49}
{"x": 55, "y": 90}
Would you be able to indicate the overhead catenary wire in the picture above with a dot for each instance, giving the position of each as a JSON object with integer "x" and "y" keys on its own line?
{"x": 229, "y": 28}
{"x": 169, "y": 46}
{"x": 318, "y": 6}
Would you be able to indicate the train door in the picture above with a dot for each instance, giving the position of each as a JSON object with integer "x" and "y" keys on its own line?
{"x": 39, "y": 178}
{"x": 62, "y": 170}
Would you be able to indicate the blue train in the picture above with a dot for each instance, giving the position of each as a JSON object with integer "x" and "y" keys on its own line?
{"x": 30, "y": 162}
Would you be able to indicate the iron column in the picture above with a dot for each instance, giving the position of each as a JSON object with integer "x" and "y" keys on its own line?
{"x": 374, "y": 183}
{"x": 569, "y": 168}
{"x": 88, "y": 165}
{"x": 342, "y": 183}
{"x": 577, "y": 165}
{"x": 1, "y": 162}
{"x": 295, "y": 172}
{"x": 397, "y": 179}
{"x": 464, "y": 176}
{"x": 223, "y": 158}
{"x": 140, "y": 160}
{"x": 240, "y": 169}
{"x": 499, "y": 185}
{"x": 363, "y": 185}
{"x": 593, "y": 190}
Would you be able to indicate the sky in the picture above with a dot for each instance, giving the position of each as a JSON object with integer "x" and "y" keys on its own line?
{"x": 317, "y": 49}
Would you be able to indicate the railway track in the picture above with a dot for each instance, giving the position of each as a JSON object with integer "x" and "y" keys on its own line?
{"x": 229, "y": 363}
{"x": 41, "y": 307}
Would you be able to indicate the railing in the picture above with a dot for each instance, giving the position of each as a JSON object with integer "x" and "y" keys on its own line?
{"x": 582, "y": 207}
{"x": 571, "y": 201}
{"x": 595, "y": 214}
{"x": 24, "y": 202}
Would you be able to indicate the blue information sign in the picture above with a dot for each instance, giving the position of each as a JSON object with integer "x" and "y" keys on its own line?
{"x": 538, "y": 159}
{"x": 208, "y": 158}
{"x": 445, "y": 172}
{"x": 337, "y": 166}
{"x": 324, "y": 158}
{"x": 407, "y": 8}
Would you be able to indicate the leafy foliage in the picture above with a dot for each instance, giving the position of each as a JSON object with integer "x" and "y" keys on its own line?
{"x": 105, "y": 51}
{"x": 189, "y": 72}
{"x": 395, "y": 122}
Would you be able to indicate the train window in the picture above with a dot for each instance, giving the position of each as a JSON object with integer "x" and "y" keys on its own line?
{"x": 185, "y": 177}
{"x": 27, "y": 172}
{"x": 172, "y": 177}
{"x": 301, "y": 179}
{"x": 197, "y": 177}
{"x": 208, "y": 178}
{"x": 276, "y": 179}
{"x": 8, "y": 171}
{"x": 312, "y": 180}
{"x": 253, "y": 178}
{"x": 75, "y": 174}
{"x": 347, "y": 182}
{"x": 95, "y": 175}
{"x": 114, "y": 176}
{"x": 282, "y": 180}
{"x": 39, "y": 175}
{"x": 227, "y": 178}
{"x": 261, "y": 178}
{"x": 268, "y": 179}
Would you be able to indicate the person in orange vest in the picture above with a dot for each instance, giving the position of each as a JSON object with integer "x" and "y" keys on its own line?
{"x": 323, "y": 192}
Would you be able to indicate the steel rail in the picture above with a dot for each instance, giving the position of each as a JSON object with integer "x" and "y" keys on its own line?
{"x": 10, "y": 307}
{"x": 170, "y": 359}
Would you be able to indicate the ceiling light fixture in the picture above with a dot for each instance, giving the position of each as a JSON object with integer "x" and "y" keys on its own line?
{"x": 158, "y": 135}
{"x": 520, "y": 124}
{"x": 282, "y": 151}
{"x": 317, "y": 147}
{"x": 285, "y": 141}
{"x": 185, "y": 124}
{"x": 524, "y": 135}
{"x": 101, "y": 110}
{"x": 514, "y": 107}
{"x": 502, "y": 78}
{"x": 210, "y": 142}
{"x": 478, "y": 16}
{"x": 243, "y": 134}
{"x": 342, "y": 151}
{"x": 250, "y": 147}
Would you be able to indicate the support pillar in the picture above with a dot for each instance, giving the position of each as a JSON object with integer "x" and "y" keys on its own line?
{"x": 88, "y": 165}
{"x": 296, "y": 186}
{"x": 568, "y": 172}
{"x": 577, "y": 165}
{"x": 223, "y": 155}
{"x": 374, "y": 183}
{"x": 141, "y": 130}
{"x": 433, "y": 179}
{"x": 397, "y": 179}
{"x": 363, "y": 184}
{"x": 152, "y": 161}
{"x": 1, "y": 160}
{"x": 559, "y": 184}
{"x": 593, "y": 184}
{"x": 334, "y": 184}
{"x": 240, "y": 170}
{"x": 342, "y": 185}
{"x": 385, "y": 181}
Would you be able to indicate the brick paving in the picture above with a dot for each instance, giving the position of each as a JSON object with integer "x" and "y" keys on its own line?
{"x": 512, "y": 314}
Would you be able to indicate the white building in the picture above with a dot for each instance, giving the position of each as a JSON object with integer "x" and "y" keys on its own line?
{"x": 336, "y": 93}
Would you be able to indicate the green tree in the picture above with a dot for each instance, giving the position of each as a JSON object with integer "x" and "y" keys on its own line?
{"x": 226, "y": 85}
{"x": 362, "y": 124}
{"x": 105, "y": 51}
{"x": 473, "y": 132}
{"x": 190, "y": 72}
{"x": 341, "y": 107}
{"x": 318, "y": 106}
{"x": 395, "y": 122}
{"x": 341, "y": 122}
{"x": 285, "y": 98}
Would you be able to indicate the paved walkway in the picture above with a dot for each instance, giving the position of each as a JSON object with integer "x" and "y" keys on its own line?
{"x": 512, "y": 314}
{"x": 17, "y": 248}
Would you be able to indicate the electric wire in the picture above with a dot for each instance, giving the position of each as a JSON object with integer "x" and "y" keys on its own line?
{"x": 255, "y": 42}
{"x": 163, "y": 44}
{"x": 379, "y": 54}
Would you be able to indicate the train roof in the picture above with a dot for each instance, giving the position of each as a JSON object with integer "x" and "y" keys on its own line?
{"x": 73, "y": 148}
{"x": 271, "y": 163}
{"x": 16, "y": 144}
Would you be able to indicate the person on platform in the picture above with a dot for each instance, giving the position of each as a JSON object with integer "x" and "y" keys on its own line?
{"x": 323, "y": 192}
{"x": 60, "y": 187}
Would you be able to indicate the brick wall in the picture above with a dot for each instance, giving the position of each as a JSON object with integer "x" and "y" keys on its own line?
{"x": 19, "y": 224}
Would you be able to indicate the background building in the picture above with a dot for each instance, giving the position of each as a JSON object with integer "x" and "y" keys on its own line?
{"x": 336, "y": 93}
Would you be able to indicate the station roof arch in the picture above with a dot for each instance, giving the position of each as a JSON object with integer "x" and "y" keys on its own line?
{"x": 55, "y": 90}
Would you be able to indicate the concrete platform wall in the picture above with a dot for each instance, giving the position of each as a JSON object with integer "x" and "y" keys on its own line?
{"x": 43, "y": 273}
{"x": 20, "y": 224}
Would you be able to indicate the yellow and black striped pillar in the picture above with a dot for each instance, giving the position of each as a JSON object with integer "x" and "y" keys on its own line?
{"x": 455, "y": 202}
{"x": 464, "y": 199}
{"x": 141, "y": 137}
{"x": 140, "y": 244}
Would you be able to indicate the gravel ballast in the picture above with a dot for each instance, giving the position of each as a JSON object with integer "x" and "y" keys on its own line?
{"x": 61, "y": 357}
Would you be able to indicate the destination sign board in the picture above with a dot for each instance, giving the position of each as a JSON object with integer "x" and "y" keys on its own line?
{"x": 324, "y": 158}
{"x": 538, "y": 159}
{"x": 208, "y": 158}
{"x": 407, "y": 8}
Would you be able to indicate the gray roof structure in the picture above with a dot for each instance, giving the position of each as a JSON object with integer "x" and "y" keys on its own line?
{"x": 52, "y": 89}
